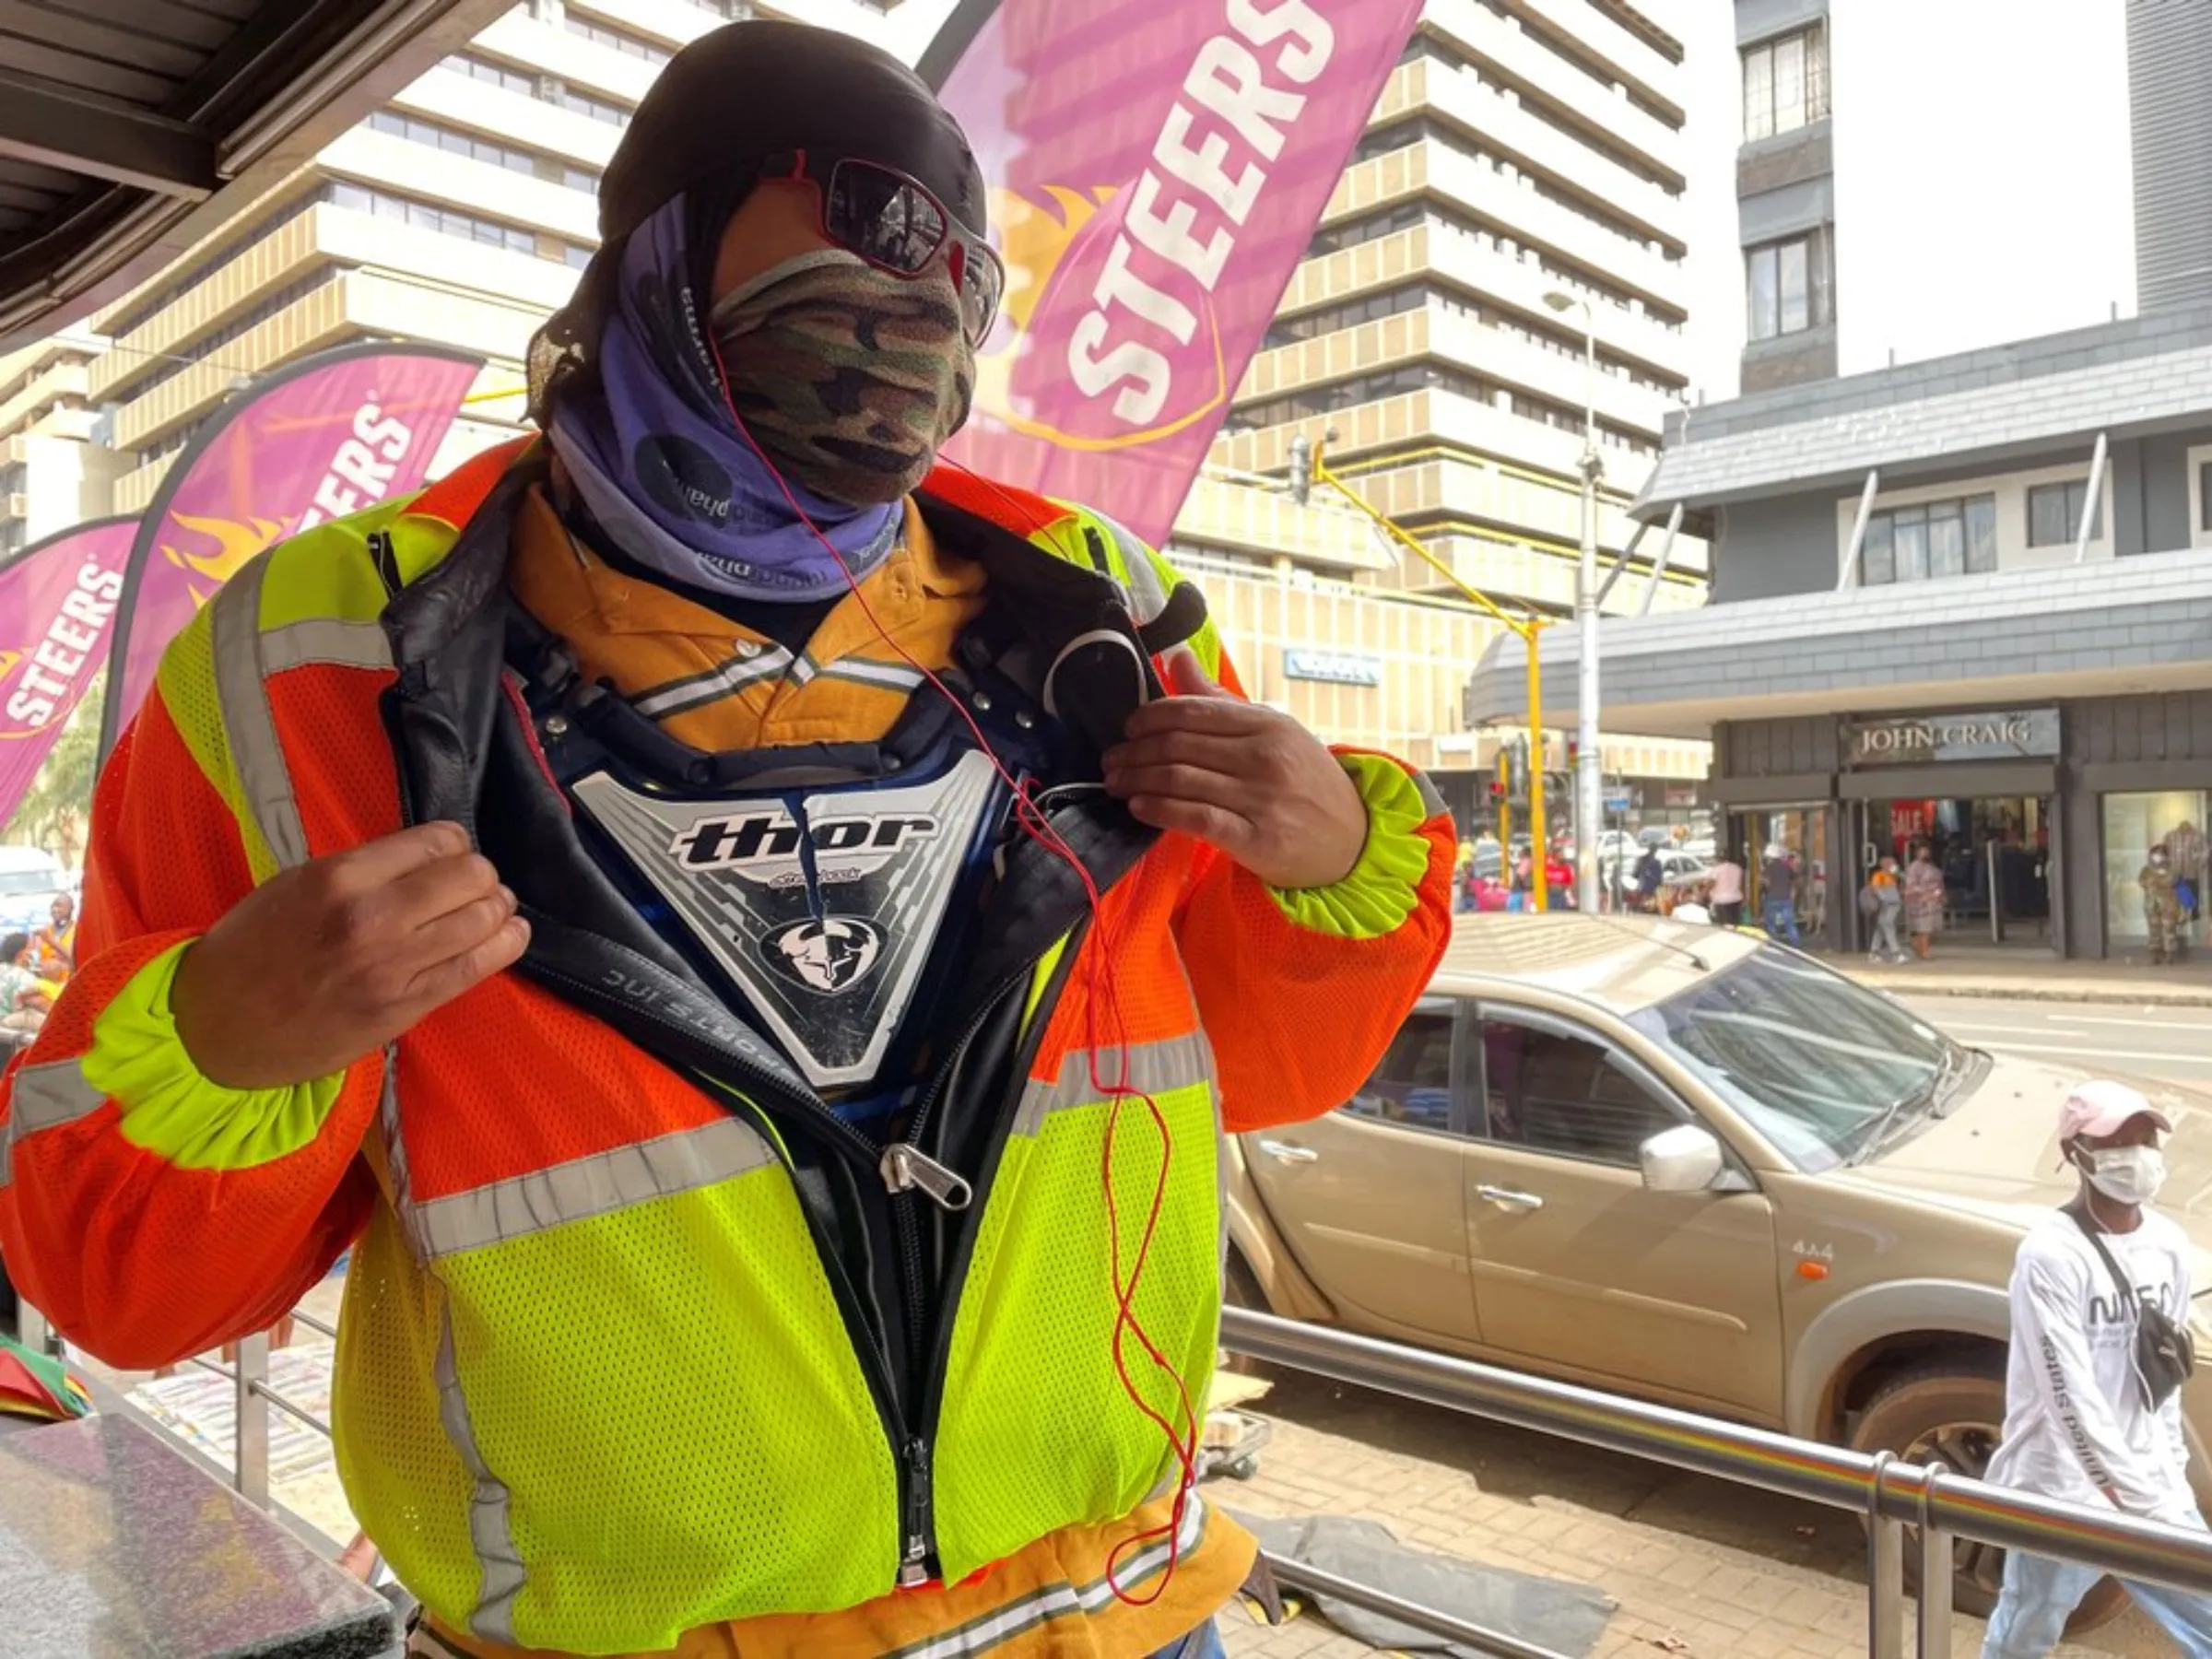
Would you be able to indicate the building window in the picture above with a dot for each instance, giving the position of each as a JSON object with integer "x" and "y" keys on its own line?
{"x": 455, "y": 142}
{"x": 598, "y": 109}
{"x": 1385, "y": 141}
{"x": 145, "y": 309}
{"x": 1375, "y": 226}
{"x": 1785, "y": 84}
{"x": 15, "y": 535}
{"x": 12, "y": 479}
{"x": 1933, "y": 539}
{"x": 2054, "y": 514}
{"x": 1786, "y": 286}
{"x": 2204, "y": 495}
{"x": 619, "y": 39}
{"x": 446, "y": 221}
{"x": 493, "y": 73}
{"x": 1366, "y": 389}
{"x": 2134, "y": 824}
{"x": 208, "y": 346}
{"x": 1350, "y": 313}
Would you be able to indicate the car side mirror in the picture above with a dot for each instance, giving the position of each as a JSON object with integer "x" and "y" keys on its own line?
{"x": 1686, "y": 1159}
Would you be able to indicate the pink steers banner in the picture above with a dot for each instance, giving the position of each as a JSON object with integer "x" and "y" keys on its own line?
{"x": 319, "y": 439}
{"x": 1156, "y": 174}
{"x": 57, "y": 603}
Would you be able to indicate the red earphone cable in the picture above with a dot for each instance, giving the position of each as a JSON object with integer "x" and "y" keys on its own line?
{"x": 1100, "y": 992}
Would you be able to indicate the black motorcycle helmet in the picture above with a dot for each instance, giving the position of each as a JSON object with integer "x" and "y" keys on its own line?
{"x": 736, "y": 95}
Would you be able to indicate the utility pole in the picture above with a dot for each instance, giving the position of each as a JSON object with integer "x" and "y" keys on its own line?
{"x": 1590, "y": 778}
{"x": 1308, "y": 467}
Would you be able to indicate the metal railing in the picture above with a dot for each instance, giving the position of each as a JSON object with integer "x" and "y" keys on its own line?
{"x": 1892, "y": 1496}
{"x": 249, "y": 1375}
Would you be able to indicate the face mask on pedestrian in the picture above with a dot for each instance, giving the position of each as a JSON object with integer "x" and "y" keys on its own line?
{"x": 849, "y": 377}
{"x": 2126, "y": 1174}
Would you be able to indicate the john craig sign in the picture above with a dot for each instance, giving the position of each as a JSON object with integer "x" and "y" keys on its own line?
{"x": 1982, "y": 734}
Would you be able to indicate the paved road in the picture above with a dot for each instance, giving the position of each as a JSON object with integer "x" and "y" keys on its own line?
{"x": 2174, "y": 1044}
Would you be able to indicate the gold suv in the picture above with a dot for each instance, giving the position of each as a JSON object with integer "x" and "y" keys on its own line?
{"x": 1681, "y": 1163}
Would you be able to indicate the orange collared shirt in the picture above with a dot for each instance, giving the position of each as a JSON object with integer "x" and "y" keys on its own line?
{"x": 715, "y": 684}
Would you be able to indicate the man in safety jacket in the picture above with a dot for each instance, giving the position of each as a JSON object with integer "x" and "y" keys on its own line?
{"x": 750, "y": 942}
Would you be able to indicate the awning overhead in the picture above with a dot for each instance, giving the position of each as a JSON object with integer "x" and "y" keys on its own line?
{"x": 131, "y": 129}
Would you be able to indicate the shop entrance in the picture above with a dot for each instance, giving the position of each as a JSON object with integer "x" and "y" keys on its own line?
{"x": 1998, "y": 858}
{"x": 1766, "y": 837}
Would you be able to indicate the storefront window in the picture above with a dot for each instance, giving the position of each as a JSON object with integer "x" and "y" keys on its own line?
{"x": 2173, "y": 818}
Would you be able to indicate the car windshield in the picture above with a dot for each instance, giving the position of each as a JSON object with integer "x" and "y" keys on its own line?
{"x": 1825, "y": 1069}
{"x": 14, "y": 883}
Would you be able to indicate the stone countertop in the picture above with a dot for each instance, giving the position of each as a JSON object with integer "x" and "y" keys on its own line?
{"x": 113, "y": 1545}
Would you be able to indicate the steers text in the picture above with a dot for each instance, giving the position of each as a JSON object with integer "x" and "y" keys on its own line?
{"x": 1237, "y": 102}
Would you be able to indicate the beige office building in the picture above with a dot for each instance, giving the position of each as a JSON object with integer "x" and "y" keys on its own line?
{"x": 1523, "y": 147}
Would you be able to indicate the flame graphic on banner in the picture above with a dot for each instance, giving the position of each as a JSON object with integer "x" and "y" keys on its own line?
{"x": 1034, "y": 240}
{"x": 8, "y": 659}
{"x": 235, "y": 545}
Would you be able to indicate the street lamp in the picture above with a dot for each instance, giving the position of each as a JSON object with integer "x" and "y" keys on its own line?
{"x": 1589, "y": 782}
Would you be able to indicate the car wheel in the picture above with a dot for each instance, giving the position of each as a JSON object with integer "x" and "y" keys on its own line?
{"x": 1953, "y": 1415}
{"x": 1241, "y": 1289}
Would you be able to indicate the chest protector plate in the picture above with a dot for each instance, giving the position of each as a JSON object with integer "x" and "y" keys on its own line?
{"x": 824, "y": 907}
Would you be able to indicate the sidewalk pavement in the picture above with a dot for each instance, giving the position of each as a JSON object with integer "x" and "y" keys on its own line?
{"x": 2031, "y": 976}
{"x": 1700, "y": 1570}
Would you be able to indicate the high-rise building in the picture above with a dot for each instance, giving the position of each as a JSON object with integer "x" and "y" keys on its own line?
{"x": 1519, "y": 194}
{"x": 1523, "y": 150}
{"x": 2169, "y": 82}
{"x": 1785, "y": 187}
{"x": 55, "y": 472}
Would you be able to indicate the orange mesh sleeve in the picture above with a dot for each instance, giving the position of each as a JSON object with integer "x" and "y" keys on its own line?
{"x": 135, "y": 1258}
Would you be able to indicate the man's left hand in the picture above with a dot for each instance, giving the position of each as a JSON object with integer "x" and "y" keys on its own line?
{"x": 1244, "y": 779}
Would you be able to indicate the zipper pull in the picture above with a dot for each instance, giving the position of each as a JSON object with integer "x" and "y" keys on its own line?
{"x": 907, "y": 1168}
{"x": 913, "y": 1570}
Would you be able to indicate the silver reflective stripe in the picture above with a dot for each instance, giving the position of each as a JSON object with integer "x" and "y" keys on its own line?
{"x": 395, "y": 1156}
{"x": 1432, "y": 802}
{"x": 1061, "y": 1600}
{"x": 491, "y": 1525}
{"x": 715, "y": 683}
{"x": 588, "y": 1186}
{"x": 45, "y": 1097}
{"x": 1152, "y": 1067}
{"x": 895, "y": 675}
{"x": 248, "y": 725}
{"x": 325, "y": 640}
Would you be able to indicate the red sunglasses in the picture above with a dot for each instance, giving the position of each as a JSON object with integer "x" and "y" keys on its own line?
{"x": 897, "y": 224}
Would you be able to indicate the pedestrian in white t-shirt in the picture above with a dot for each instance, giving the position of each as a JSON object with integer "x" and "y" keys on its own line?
{"x": 2080, "y": 1423}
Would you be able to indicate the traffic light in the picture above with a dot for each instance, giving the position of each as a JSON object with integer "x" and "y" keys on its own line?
{"x": 1516, "y": 758}
{"x": 1301, "y": 469}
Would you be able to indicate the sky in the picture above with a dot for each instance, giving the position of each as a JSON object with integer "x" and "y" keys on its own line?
{"x": 1984, "y": 175}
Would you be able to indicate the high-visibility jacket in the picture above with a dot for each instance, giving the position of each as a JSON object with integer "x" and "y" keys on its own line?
{"x": 609, "y": 1366}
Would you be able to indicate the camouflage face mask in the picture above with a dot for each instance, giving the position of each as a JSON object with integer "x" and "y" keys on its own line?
{"x": 847, "y": 377}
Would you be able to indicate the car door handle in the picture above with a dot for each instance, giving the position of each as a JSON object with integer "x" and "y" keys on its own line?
{"x": 1509, "y": 1197}
{"x": 1289, "y": 1152}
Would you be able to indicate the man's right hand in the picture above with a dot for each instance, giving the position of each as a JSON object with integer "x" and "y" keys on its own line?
{"x": 329, "y": 962}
